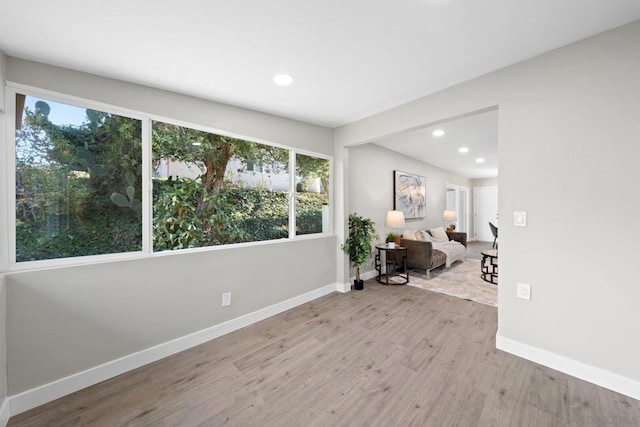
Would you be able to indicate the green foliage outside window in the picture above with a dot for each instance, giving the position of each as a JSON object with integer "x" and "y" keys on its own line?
{"x": 235, "y": 215}
{"x": 79, "y": 191}
{"x": 65, "y": 175}
{"x": 310, "y": 170}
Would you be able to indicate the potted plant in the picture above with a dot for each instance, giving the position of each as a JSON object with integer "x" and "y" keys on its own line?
{"x": 358, "y": 244}
{"x": 393, "y": 240}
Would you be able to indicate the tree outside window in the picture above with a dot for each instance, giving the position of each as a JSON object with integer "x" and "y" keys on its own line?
{"x": 205, "y": 194}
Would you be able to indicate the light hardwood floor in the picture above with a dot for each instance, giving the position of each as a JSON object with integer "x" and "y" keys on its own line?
{"x": 385, "y": 356}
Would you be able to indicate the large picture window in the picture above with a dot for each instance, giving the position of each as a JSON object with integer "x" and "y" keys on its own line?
{"x": 78, "y": 181}
{"x": 100, "y": 181}
{"x": 212, "y": 189}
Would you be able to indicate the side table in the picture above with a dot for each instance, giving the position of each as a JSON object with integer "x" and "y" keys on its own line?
{"x": 395, "y": 262}
{"x": 489, "y": 266}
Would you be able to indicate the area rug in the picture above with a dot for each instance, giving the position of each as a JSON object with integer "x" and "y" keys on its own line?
{"x": 461, "y": 280}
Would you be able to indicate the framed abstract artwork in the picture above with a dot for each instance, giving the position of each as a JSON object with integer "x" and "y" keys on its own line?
{"x": 409, "y": 195}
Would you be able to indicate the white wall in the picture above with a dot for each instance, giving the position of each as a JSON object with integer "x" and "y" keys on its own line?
{"x": 65, "y": 320}
{"x": 3, "y": 350}
{"x": 3, "y": 71}
{"x": 371, "y": 186}
{"x": 568, "y": 152}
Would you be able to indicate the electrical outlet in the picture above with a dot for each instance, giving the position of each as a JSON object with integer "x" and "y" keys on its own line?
{"x": 226, "y": 299}
{"x": 524, "y": 291}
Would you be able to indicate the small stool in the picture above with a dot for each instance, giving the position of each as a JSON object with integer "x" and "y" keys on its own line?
{"x": 489, "y": 266}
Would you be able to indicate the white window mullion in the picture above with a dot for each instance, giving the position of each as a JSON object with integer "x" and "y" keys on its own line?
{"x": 292, "y": 194}
{"x": 147, "y": 188}
{"x": 8, "y": 193}
{"x": 331, "y": 200}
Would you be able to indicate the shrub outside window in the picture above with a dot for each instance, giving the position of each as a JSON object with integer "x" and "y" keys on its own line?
{"x": 212, "y": 189}
{"x": 312, "y": 195}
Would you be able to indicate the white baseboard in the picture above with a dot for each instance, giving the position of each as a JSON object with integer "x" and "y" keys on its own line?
{"x": 343, "y": 287}
{"x": 589, "y": 373}
{"x": 46, "y": 393}
{"x": 4, "y": 412}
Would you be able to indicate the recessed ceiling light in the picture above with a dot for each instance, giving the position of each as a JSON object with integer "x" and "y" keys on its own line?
{"x": 438, "y": 133}
{"x": 283, "y": 79}
{"x": 463, "y": 150}
{"x": 479, "y": 160}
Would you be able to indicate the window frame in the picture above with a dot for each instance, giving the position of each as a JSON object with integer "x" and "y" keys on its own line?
{"x": 8, "y": 193}
{"x": 292, "y": 165}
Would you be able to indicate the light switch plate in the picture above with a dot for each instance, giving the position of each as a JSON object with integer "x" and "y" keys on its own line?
{"x": 520, "y": 218}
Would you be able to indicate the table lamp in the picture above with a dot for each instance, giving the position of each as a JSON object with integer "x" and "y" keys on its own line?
{"x": 448, "y": 217}
{"x": 395, "y": 220}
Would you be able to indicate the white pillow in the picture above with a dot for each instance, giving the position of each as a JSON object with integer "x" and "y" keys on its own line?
{"x": 409, "y": 235}
{"x": 423, "y": 236}
{"x": 439, "y": 235}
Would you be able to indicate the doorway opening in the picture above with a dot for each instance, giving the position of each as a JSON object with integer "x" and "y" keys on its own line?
{"x": 458, "y": 200}
{"x": 485, "y": 204}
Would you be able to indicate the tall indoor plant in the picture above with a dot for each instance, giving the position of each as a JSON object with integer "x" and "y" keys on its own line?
{"x": 358, "y": 244}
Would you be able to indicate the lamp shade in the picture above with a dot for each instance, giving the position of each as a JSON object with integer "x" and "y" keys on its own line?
{"x": 395, "y": 219}
{"x": 449, "y": 216}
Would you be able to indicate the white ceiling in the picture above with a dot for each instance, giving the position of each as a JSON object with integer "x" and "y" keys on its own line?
{"x": 350, "y": 58}
{"x": 478, "y": 133}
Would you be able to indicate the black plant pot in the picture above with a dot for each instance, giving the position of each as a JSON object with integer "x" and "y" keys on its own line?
{"x": 358, "y": 285}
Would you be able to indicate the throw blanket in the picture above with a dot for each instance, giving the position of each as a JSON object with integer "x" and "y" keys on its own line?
{"x": 453, "y": 251}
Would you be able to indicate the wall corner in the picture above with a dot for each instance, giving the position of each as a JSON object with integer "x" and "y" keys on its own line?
{"x": 343, "y": 287}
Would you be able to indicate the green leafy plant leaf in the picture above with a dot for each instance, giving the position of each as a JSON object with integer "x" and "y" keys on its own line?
{"x": 119, "y": 200}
